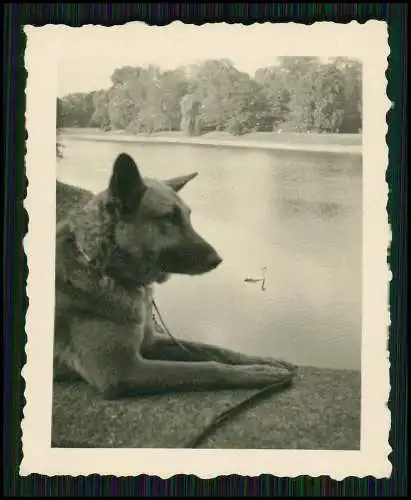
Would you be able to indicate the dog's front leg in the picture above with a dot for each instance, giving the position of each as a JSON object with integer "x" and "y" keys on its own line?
{"x": 153, "y": 376}
{"x": 162, "y": 347}
{"x": 107, "y": 356}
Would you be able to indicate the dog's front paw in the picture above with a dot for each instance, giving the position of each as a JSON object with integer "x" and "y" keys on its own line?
{"x": 280, "y": 363}
{"x": 263, "y": 375}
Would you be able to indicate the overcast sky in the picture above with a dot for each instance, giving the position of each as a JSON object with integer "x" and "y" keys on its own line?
{"x": 90, "y": 54}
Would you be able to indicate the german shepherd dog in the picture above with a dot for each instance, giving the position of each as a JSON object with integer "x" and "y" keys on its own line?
{"x": 109, "y": 253}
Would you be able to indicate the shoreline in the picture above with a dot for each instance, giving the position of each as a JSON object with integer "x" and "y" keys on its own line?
{"x": 200, "y": 141}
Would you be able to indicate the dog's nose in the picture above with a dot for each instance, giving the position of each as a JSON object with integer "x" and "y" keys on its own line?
{"x": 214, "y": 260}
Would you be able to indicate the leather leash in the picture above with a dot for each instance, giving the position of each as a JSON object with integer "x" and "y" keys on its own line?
{"x": 282, "y": 384}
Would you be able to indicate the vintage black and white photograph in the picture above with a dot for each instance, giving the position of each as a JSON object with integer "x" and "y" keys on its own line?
{"x": 210, "y": 199}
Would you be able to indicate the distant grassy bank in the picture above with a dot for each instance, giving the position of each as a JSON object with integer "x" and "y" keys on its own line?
{"x": 333, "y": 143}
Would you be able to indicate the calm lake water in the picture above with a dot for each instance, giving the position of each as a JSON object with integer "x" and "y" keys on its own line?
{"x": 297, "y": 214}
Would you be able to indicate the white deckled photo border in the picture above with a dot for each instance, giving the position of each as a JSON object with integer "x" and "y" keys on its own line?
{"x": 44, "y": 49}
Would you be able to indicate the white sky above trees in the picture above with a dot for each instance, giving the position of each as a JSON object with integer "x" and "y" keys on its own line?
{"x": 89, "y": 55}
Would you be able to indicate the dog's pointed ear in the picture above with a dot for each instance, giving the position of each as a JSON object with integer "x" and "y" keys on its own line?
{"x": 126, "y": 186}
{"x": 178, "y": 183}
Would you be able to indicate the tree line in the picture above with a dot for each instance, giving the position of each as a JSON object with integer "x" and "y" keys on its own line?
{"x": 300, "y": 94}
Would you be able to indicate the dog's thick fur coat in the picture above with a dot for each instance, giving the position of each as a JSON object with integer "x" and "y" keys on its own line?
{"x": 109, "y": 254}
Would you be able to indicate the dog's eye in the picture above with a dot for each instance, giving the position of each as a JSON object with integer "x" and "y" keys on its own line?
{"x": 172, "y": 217}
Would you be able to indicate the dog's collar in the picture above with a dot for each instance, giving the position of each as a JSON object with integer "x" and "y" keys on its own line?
{"x": 84, "y": 255}
{"x": 86, "y": 260}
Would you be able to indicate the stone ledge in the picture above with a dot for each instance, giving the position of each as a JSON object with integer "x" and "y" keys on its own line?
{"x": 322, "y": 411}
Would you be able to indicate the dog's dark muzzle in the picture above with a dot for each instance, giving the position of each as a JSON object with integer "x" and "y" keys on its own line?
{"x": 192, "y": 257}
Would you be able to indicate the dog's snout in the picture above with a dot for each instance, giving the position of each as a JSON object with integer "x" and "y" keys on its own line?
{"x": 214, "y": 260}
{"x": 192, "y": 257}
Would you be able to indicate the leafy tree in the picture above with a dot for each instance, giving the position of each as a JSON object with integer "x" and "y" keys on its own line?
{"x": 298, "y": 78}
{"x": 120, "y": 108}
{"x": 352, "y": 72}
{"x": 76, "y": 109}
{"x": 59, "y": 115}
{"x": 215, "y": 80}
{"x": 231, "y": 100}
{"x": 189, "y": 108}
{"x": 245, "y": 107}
{"x": 299, "y": 93}
{"x": 172, "y": 87}
{"x": 330, "y": 99}
{"x": 123, "y": 75}
{"x": 100, "y": 117}
{"x": 276, "y": 91}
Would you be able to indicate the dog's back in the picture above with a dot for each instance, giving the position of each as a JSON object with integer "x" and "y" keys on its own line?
{"x": 69, "y": 198}
{"x": 83, "y": 292}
